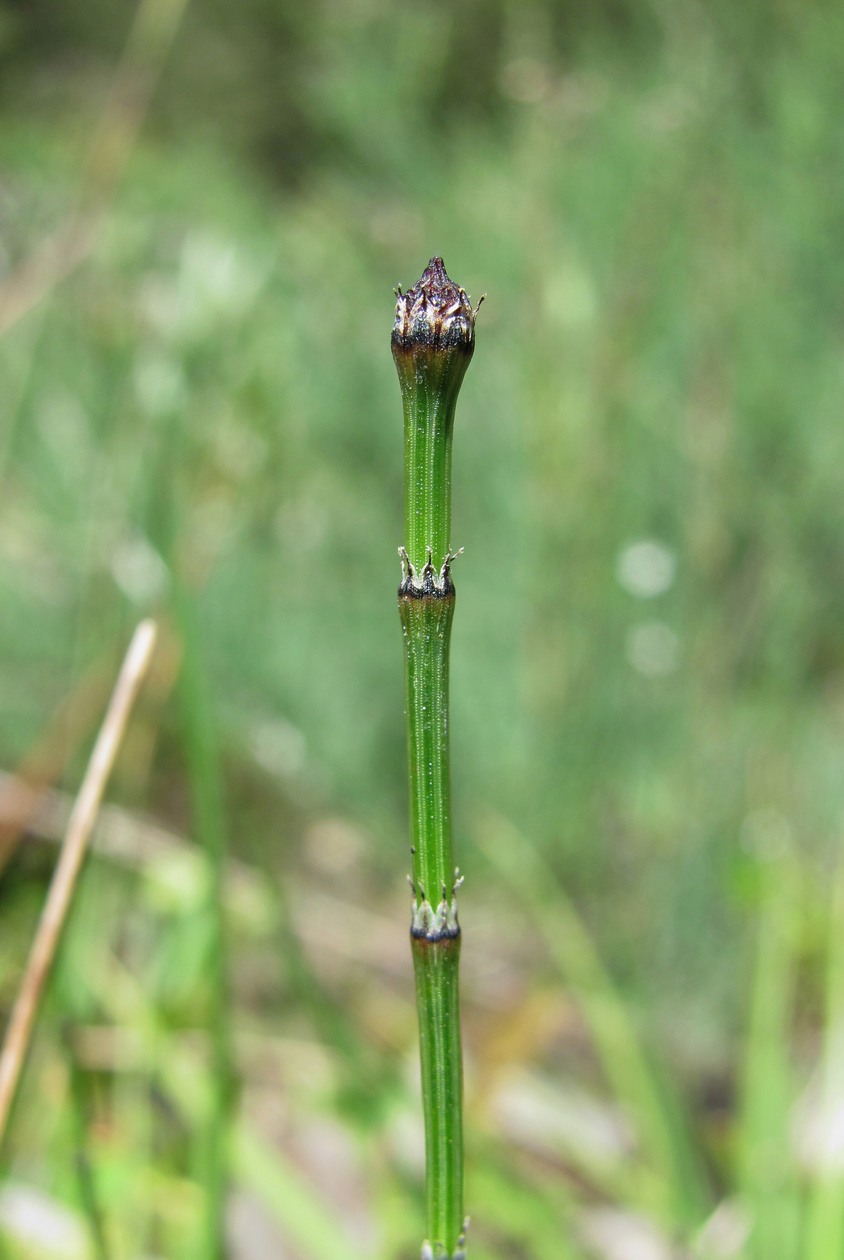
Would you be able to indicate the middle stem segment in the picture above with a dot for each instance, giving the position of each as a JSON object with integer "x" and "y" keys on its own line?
{"x": 426, "y": 610}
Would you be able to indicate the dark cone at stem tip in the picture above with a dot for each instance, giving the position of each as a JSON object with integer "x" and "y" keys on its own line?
{"x": 435, "y": 314}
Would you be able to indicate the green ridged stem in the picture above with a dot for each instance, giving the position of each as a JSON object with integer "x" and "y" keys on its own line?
{"x": 426, "y": 626}
{"x": 435, "y": 965}
{"x": 433, "y": 340}
{"x": 429, "y": 402}
{"x": 435, "y": 935}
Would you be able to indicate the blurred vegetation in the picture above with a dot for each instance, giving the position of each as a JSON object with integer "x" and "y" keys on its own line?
{"x": 201, "y": 420}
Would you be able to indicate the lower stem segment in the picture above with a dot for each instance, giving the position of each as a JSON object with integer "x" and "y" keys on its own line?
{"x": 437, "y": 995}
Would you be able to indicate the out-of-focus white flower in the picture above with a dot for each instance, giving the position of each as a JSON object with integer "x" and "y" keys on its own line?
{"x": 646, "y": 568}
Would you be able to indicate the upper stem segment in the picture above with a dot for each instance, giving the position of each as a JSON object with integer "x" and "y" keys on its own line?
{"x": 433, "y": 341}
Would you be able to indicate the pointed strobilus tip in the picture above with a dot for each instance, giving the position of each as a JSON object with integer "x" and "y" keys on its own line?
{"x": 433, "y": 341}
{"x": 435, "y": 314}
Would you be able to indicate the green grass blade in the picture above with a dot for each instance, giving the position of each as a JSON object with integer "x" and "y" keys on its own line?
{"x": 206, "y": 797}
{"x": 765, "y": 1173}
{"x": 671, "y": 1184}
{"x": 299, "y": 1211}
{"x": 824, "y": 1233}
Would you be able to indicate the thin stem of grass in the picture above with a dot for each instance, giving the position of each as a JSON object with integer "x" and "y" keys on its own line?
{"x": 766, "y": 1175}
{"x": 207, "y": 806}
{"x": 86, "y": 1179}
{"x": 433, "y": 341}
{"x": 824, "y": 1233}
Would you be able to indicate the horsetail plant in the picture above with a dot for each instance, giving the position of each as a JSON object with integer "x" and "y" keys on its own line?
{"x": 433, "y": 341}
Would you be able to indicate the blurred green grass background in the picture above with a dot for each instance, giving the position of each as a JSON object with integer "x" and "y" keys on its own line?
{"x": 204, "y": 210}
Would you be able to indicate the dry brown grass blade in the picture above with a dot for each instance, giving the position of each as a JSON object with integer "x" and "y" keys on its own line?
{"x": 72, "y": 853}
{"x": 27, "y": 796}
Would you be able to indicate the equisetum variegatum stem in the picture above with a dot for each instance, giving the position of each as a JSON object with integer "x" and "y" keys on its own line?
{"x": 433, "y": 341}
